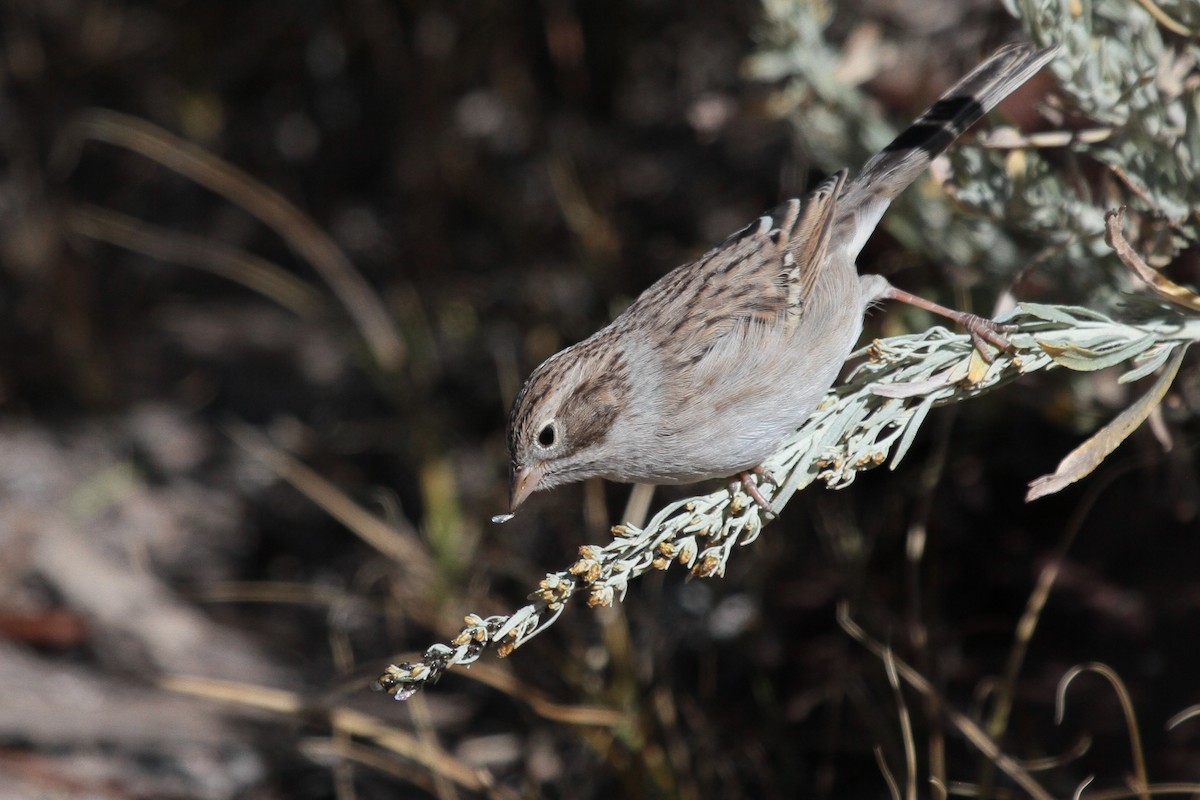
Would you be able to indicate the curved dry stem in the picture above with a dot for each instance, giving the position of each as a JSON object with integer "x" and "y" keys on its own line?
{"x": 253, "y": 272}
{"x": 1191, "y": 712}
{"x": 886, "y": 771}
{"x": 906, "y": 730}
{"x": 1006, "y": 687}
{"x": 964, "y": 724}
{"x": 1135, "y": 737}
{"x": 1078, "y": 750}
{"x": 400, "y": 544}
{"x": 360, "y": 301}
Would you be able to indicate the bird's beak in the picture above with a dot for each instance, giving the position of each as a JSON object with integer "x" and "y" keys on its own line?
{"x": 524, "y": 482}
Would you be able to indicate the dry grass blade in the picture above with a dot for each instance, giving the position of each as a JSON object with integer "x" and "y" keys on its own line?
{"x": 885, "y": 770}
{"x": 1161, "y": 285}
{"x": 427, "y": 736}
{"x": 332, "y": 750}
{"x": 360, "y": 301}
{"x": 540, "y": 704}
{"x": 1083, "y": 460}
{"x": 997, "y": 722}
{"x": 964, "y": 724}
{"x": 404, "y": 547}
{"x": 1191, "y": 712}
{"x": 906, "y": 730}
{"x": 301, "y": 594}
{"x": 337, "y": 751}
{"x": 356, "y": 723}
{"x": 1078, "y": 750}
{"x": 253, "y": 272}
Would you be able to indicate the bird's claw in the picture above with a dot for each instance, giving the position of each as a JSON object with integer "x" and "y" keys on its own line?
{"x": 984, "y": 332}
{"x": 751, "y": 488}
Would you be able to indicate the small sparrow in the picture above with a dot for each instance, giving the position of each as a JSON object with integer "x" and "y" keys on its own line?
{"x": 711, "y": 367}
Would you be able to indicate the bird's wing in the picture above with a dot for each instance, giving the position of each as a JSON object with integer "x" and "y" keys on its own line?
{"x": 760, "y": 277}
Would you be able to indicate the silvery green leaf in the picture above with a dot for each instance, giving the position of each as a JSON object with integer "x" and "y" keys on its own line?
{"x": 1089, "y": 356}
{"x": 1148, "y": 362}
{"x": 1065, "y": 315}
{"x": 910, "y": 431}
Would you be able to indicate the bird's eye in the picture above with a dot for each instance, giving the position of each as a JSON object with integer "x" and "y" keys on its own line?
{"x": 546, "y": 437}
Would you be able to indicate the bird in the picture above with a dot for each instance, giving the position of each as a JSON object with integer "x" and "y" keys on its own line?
{"x": 712, "y": 366}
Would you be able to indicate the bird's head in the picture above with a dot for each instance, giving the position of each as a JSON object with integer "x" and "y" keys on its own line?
{"x": 558, "y": 431}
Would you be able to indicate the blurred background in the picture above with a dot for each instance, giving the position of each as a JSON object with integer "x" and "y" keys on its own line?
{"x": 267, "y": 267}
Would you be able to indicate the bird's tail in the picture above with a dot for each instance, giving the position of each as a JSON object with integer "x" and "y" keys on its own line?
{"x": 891, "y": 170}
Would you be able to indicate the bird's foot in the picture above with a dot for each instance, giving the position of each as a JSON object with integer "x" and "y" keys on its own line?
{"x": 983, "y": 331}
{"x": 751, "y": 487}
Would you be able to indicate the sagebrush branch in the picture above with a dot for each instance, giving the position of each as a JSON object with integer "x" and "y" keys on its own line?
{"x": 870, "y": 419}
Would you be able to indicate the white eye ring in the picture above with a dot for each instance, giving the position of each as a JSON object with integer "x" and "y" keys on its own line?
{"x": 547, "y": 436}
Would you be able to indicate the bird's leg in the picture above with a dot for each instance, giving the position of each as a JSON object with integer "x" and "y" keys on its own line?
{"x": 752, "y": 488}
{"x": 981, "y": 329}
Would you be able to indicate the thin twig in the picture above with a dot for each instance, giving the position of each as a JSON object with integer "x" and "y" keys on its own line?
{"x": 1141, "y": 780}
